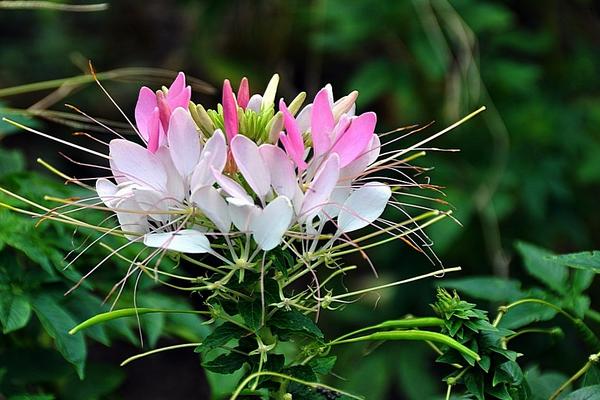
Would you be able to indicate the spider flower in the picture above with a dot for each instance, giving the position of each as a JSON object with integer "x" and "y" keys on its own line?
{"x": 178, "y": 190}
{"x": 153, "y": 111}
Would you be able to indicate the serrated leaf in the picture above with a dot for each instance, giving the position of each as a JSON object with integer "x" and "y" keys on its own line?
{"x": 251, "y": 312}
{"x": 587, "y": 260}
{"x": 221, "y": 336}
{"x": 539, "y": 264}
{"x": 15, "y": 311}
{"x": 322, "y": 365}
{"x": 486, "y": 288}
{"x": 226, "y": 363}
{"x": 296, "y": 322}
{"x": 303, "y": 372}
{"x": 57, "y": 322}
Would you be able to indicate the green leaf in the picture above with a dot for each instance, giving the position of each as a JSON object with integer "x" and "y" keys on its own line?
{"x": 296, "y": 322}
{"x": 475, "y": 385}
{"x": 486, "y": 288}
{"x": 251, "y": 312}
{"x": 543, "y": 384}
{"x": 539, "y": 264}
{"x": 513, "y": 371}
{"x": 57, "y": 322}
{"x": 11, "y": 161}
{"x": 226, "y": 363}
{"x": 322, "y": 365}
{"x": 592, "y": 376}
{"x": 15, "y": 311}
{"x": 221, "y": 336}
{"x": 303, "y": 372}
{"x": 587, "y": 260}
{"x": 32, "y": 397}
{"x": 586, "y": 393}
{"x": 525, "y": 314}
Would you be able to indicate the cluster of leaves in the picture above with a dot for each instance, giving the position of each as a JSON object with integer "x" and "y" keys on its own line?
{"x": 497, "y": 374}
{"x": 275, "y": 341}
{"x": 562, "y": 295}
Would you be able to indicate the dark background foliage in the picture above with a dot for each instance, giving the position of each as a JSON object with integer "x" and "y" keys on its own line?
{"x": 529, "y": 167}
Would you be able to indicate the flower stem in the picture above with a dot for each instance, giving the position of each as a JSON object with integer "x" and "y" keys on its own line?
{"x": 593, "y": 359}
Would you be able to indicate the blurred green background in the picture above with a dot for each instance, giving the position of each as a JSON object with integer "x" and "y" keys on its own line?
{"x": 528, "y": 168}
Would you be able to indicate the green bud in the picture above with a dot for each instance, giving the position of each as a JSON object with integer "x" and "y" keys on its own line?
{"x": 275, "y": 126}
{"x": 270, "y": 91}
{"x": 295, "y": 105}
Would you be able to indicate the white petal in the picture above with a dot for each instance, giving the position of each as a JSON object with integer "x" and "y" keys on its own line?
{"x": 251, "y": 165}
{"x": 336, "y": 200}
{"x": 132, "y": 162}
{"x": 134, "y": 223}
{"x": 184, "y": 142}
{"x": 214, "y": 206}
{"x": 363, "y": 206}
{"x": 255, "y": 103}
{"x": 232, "y": 188}
{"x": 303, "y": 119}
{"x": 214, "y": 155}
{"x": 176, "y": 185}
{"x": 242, "y": 213}
{"x": 153, "y": 203}
{"x": 317, "y": 195}
{"x": 283, "y": 176}
{"x": 107, "y": 192}
{"x": 269, "y": 227}
{"x": 185, "y": 241}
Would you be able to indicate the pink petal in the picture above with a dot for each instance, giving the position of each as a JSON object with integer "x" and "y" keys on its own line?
{"x": 251, "y": 165}
{"x": 243, "y": 95}
{"x": 292, "y": 141}
{"x": 177, "y": 85}
{"x": 319, "y": 191}
{"x": 154, "y": 130}
{"x": 353, "y": 141}
{"x": 321, "y": 122}
{"x": 229, "y": 111}
{"x": 144, "y": 107}
{"x": 181, "y": 100}
{"x": 184, "y": 142}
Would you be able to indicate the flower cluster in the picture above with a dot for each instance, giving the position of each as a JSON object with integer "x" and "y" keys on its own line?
{"x": 244, "y": 169}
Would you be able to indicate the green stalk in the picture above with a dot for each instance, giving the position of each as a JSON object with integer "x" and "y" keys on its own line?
{"x": 413, "y": 335}
{"x": 396, "y": 324}
{"x": 126, "y": 312}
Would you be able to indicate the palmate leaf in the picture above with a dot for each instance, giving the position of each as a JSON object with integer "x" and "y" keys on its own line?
{"x": 251, "y": 312}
